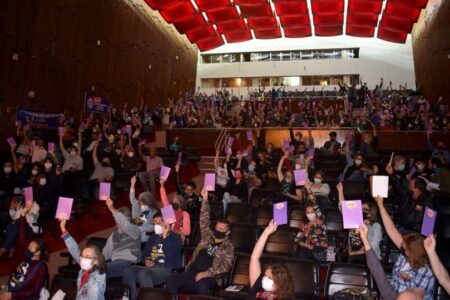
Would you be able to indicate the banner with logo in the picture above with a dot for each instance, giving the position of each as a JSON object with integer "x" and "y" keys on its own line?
{"x": 95, "y": 104}
{"x": 39, "y": 119}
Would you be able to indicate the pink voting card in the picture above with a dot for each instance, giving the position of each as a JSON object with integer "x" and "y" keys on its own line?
{"x": 104, "y": 191}
{"x": 11, "y": 141}
{"x": 300, "y": 177}
{"x": 210, "y": 182}
{"x": 230, "y": 141}
{"x": 280, "y": 212}
{"x": 250, "y": 135}
{"x": 168, "y": 214}
{"x": 164, "y": 172}
{"x": 28, "y": 194}
{"x": 352, "y": 214}
{"x": 51, "y": 147}
{"x": 64, "y": 208}
{"x": 311, "y": 152}
{"x": 61, "y": 131}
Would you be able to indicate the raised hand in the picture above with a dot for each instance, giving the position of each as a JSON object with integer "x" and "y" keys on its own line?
{"x": 133, "y": 181}
{"x": 379, "y": 200}
{"x": 271, "y": 228}
{"x": 204, "y": 194}
{"x": 62, "y": 224}
{"x": 430, "y": 243}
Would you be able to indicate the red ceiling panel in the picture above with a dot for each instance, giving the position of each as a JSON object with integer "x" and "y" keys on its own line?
{"x": 248, "y": 2}
{"x": 365, "y": 6}
{"x": 233, "y": 25}
{"x": 402, "y": 11}
{"x": 201, "y": 33}
{"x": 360, "y": 31}
{"x": 396, "y": 24}
{"x": 238, "y": 36}
{"x": 366, "y": 19}
{"x": 327, "y": 6}
{"x": 262, "y": 10}
{"x": 295, "y": 21}
{"x": 297, "y": 32}
{"x": 328, "y": 30}
{"x": 287, "y": 1}
{"x": 178, "y": 11}
{"x": 210, "y": 43}
{"x": 267, "y": 33}
{"x": 158, "y": 4}
{"x": 195, "y": 21}
{"x": 328, "y": 19}
{"x": 261, "y": 23}
{"x": 392, "y": 36}
{"x": 291, "y": 8}
{"x": 412, "y": 3}
{"x": 208, "y": 5}
{"x": 223, "y": 15}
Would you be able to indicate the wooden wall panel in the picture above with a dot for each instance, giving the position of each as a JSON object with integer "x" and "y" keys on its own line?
{"x": 59, "y": 57}
{"x": 431, "y": 50}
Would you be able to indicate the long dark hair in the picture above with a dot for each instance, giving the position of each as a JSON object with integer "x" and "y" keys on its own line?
{"x": 42, "y": 247}
{"x": 282, "y": 279}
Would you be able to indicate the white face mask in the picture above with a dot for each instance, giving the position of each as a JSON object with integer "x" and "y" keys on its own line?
{"x": 73, "y": 153}
{"x": 267, "y": 284}
{"x": 317, "y": 180}
{"x": 311, "y": 217}
{"x": 86, "y": 263}
{"x": 420, "y": 168}
{"x": 251, "y": 168}
{"x": 144, "y": 207}
{"x": 158, "y": 229}
{"x": 130, "y": 154}
{"x": 7, "y": 170}
{"x": 42, "y": 181}
{"x": 297, "y": 166}
{"x": 48, "y": 165}
{"x": 34, "y": 172}
{"x": 288, "y": 179}
{"x": 358, "y": 162}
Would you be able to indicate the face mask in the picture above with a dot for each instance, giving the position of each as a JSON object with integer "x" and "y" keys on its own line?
{"x": 251, "y": 168}
{"x": 311, "y": 217}
{"x": 365, "y": 215}
{"x": 86, "y": 263}
{"x": 48, "y": 165}
{"x": 73, "y": 153}
{"x": 34, "y": 172}
{"x": 130, "y": 154}
{"x": 288, "y": 179}
{"x": 297, "y": 166}
{"x": 42, "y": 181}
{"x": 358, "y": 162}
{"x": 118, "y": 151}
{"x": 401, "y": 167}
{"x": 420, "y": 168}
{"x": 29, "y": 254}
{"x": 436, "y": 170}
{"x": 176, "y": 206}
{"x": 219, "y": 235}
{"x": 297, "y": 138}
{"x": 317, "y": 180}
{"x": 7, "y": 170}
{"x": 145, "y": 207}
{"x": 267, "y": 284}
{"x": 158, "y": 229}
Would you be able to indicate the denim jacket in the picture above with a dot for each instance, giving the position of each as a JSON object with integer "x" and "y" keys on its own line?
{"x": 95, "y": 286}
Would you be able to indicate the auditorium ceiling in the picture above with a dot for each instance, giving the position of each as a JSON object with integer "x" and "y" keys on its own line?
{"x": 212, "y": 23}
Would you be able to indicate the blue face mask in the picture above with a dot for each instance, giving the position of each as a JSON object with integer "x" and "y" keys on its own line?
{"x": 436, "y": 170}
{"x": 401, "y": 167}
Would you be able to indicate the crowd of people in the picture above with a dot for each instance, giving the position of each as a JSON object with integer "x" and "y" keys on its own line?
{"x": 146, "y": 251}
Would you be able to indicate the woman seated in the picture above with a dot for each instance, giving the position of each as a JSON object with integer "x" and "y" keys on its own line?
{"x": 318, "y": 190}
{"x": 276, "y": 281}
{"x": 30, "y": 276}
{"x": 91, "y": 282}
{"x": 289, "y": 191}
{"x": 237, "y": 189}
{"x": 312, "y": 238}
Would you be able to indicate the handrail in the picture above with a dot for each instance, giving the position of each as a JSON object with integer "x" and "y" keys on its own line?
{"x": 307, "y": 128}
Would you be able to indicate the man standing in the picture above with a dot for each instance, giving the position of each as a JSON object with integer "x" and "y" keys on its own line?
{"x": 153, "y": 165}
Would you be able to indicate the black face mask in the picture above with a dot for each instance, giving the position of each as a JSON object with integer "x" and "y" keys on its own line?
{"x": 219, "y": 235}
{"x": 175, "y": 206}
{"x": 365, "y": 215}
{"x": 28, "y": 254}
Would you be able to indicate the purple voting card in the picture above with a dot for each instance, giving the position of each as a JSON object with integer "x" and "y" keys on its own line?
{"x": 64, "y": 208}
{"x": 61, "y": 131}
{"x": 429, "y": 218}
{"x": 143, "y": 142}
{"x": 285, "y": 144}
{"x": 100, "y": 137}
{"x": 164, "y": 172}
{"x": 128, "y": 128}
{"x": 352, "y": 214}
{"x": 412, "y": 171}
{"x": 291, "y": 149}
{"x": 104, "y": 191}
{"x": 51, "y": 147}
{"x": 168, "y": 214}
{"x": 349, "y": 136}
{"x": 210, "y": 182}
{"x": 250, "y": 135}
{"x": 11, "y": 141}
{"x": 229, "y": 151}
{"x": 28, "y": 195}
{"x": 300, "y": 177}
{"x": 280, "y": 216}
{"x": 311, "y": 152}
{"x": 230, "y": 141}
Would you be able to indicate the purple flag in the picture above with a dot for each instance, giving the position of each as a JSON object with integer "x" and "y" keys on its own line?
{"x": 230, "y": 141}
{"x": 164, "y": 172}
{"x": 104, "y": 191}
{"x": 11, "y": 141}
{"x": 280, "y": 216}
{"x": 210, "y": 182}
{"x": 61, "y": 131}
{"x": 28, "y": 194}
{"x": 250, "y": 135}
{"x": 429, "y": 218}
{"x": 51, "y": 147}
{"x": 352, "y": 214}
{"x": 300, "y": 177}
{"x": 64, "y": 208}
{"x": 168, "y": 214}
{"x": 311, "y": 152}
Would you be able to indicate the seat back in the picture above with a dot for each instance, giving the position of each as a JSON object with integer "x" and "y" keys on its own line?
{"x": 305, "y": 276}
{"x": 281, "y": 242}
{"x": 239, "y": 213}
{"x": 152, "y": 293}
{"x": 115, "y": 289}
{"x": 296, "y": 218}
{"x": 199, "y": 297}
{"x": 97, "y": 241}
{"x": 333, "y": 220}
{"x": 243, "y": 237}
{"x": 341, "y": 276}
{"x": 263, "y": 215}
{"x": 354, "y": 190}
{"x": 239, "y": 273}
{"x": 67, "y": 284}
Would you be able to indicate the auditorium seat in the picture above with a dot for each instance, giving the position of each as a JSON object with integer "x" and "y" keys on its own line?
{"x": 239, "y": 213}
{"x": 335, "y": 229}
{"x": 152, "y": 293}
{"x": 281, "y": 242}
{"x": 440, "y": 293}
{"x": 239, "y": 276}
{"x": 342, "y": 276}
{"x": 67, "y": 284}
{"x": 263, "y": 215}
{"x": 296, "y": 218}
{"x": 259, "y": 195}
{"x": 199, "y": 297}
{"x": 243, "y": 237}
{"x": 354, "y": 190}
{"x": 332, "y": 174}
{"x": 115, "y": 289}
